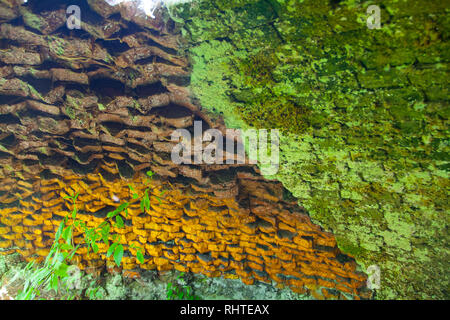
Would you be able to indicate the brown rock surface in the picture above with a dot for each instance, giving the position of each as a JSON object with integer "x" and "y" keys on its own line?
{"x": 91, "y": 115}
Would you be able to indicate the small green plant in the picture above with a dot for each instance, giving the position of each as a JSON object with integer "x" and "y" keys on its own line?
{"x": 179, "y": 290}
{"x": 145, "y": 202}
{"x": 53, "y": 275}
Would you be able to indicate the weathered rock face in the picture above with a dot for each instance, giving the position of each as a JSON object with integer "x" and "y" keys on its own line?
{"x": 90, "y": 110}
{"x": 364, "y": 115}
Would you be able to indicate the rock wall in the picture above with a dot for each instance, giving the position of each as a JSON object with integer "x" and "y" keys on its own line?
{"x": 364, "y": 114}
{"x": 91, "y": 110}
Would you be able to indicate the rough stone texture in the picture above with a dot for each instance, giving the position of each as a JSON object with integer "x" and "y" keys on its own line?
{"x": 153, "y": 286}
{"x": 93, "y": 114}
{"x": 189, "y": 230}
{"x": 364, "y": 114}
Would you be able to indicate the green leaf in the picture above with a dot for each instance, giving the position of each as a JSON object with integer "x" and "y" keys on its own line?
{"x": 119, "y": 222}
{"x": 61, "y": 257}
{"x": 111, "y": 249}
{"x": 102, "y": 225}
{"x": 62, "y": 270}
{"x": 159, "y": 199}
{"x": 89, "y": 235}
{"x": 105, "y": 237}
{"x": 99, "y": 295}
{"x": 118, "y": 210}
{"x": 29, "y": 265}
{"x": 60, "y": 229}
{"x": 122, "y": 207}
{"x": 73, "y": 253}
{"x": 54, "y": 283}
{"x": 150, "y": 173}
{"x": 146, "y": 200}
{"x": 66, "y": 246}
{"x": 118, "y": 254}
{"x": 140, "y": 257}
{"x": 105, "y": 229}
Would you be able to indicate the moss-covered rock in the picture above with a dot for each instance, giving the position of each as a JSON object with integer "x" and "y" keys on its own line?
{"x": 364, "y": 115}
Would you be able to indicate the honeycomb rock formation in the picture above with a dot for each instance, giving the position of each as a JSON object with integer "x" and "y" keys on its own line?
{"x": 91, "y": 110}
{"x": 364, "y": 116}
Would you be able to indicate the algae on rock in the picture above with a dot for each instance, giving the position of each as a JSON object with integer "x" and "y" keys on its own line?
{"x": 364, "y": 115}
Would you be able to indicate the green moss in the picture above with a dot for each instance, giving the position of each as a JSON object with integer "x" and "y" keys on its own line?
{"x": 365, "y": 127}
{"x": 56, "y": 45}
{"x": 31, "y": 20}
{"x": 209, "y": 81}
{"x": 70, "y": 112}
{"x": 34, "y": 93}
